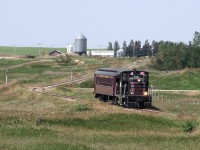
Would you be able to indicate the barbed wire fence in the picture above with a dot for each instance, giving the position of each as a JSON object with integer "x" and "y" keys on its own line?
{"x": 181, "y": 97}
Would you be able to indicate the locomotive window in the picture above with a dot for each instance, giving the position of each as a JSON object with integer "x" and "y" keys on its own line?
{"x": 143, "y": 76}
{"x": 133, "y": 76}
{"x": 124, "y": 77}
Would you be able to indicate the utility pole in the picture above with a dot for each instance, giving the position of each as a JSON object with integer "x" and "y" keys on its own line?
{"x": 39, "y": 45}
{"x": 6, "y": 74}
{"x": 14, "y": 49}
{"x": 71, "y": 76}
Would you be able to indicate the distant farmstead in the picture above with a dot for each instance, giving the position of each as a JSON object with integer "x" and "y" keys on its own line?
{"x": 120, "y": 53}
{"x": 55, "y": 53}
{"x": 102, "y": 53}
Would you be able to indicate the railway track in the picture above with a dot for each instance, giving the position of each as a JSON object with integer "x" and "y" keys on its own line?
{"x": 68, "y": 82}
{"x": 72, "y": 99}
{"x": 43, "y": 90}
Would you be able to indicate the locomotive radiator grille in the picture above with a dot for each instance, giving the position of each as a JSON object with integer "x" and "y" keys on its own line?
{"x": 137, "y": 88}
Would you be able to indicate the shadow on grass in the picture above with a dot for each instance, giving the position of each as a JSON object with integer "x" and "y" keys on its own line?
{"x": 133, "y": 107}
{"x": 154, "y": 108}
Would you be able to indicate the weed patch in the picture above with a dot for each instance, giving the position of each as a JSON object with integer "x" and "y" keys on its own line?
{"x": 116, "y": 122}
{"x": 87, "y": 84}
{"x": 4, "y": 90}
{"x": 25, "y": 131}
{"x": 81, "y": 108}
{"x": 11, "y": 121}
{"x": 187, "y": 126}
{"x": 58, "y": 146}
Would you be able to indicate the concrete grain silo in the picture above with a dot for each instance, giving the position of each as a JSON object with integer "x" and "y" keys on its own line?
{"x": 80, "y": 45}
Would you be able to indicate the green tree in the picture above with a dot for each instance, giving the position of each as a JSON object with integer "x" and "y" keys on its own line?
{"x": 130, "y": 48}
{"x": 196, "y": 39}
{"x": 116, "y": 47}
{"x": 110, "y": 47}
{"x": 125, "y": 48}
{"x": 165, "y": 58}
{"x": 174, "y": 56}
{"x": 154, "y": 46}
{"x": 194, "y": 57}
{"x": 181, "y": 55}
{"x": 137, "y": 49}
{"x": 146, "y": 49}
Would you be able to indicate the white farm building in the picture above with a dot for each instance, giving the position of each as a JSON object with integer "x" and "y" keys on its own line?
{"x": 102, "y": 53}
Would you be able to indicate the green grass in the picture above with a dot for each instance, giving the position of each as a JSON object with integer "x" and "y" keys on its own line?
{"x": 24, "y": 132}
{"x": 93, "y": 61}
{"x": 38, "y": 72}
{"x": 27, "y": 50}
{"x": 43, "y": 72}
{"x": 58, "y": 146}
{"x": 102, "y": 131}
{"x": 188, "y": 80}
{"x": 116, "y": 122}
{"x": 107, "y": 142}
{"x": 178, "y": 103}
{"x": 10, "y": 62}
{"x": 34, "y": 68}
{"x": 81, "y": 108}
{"x": 31, "y": 121}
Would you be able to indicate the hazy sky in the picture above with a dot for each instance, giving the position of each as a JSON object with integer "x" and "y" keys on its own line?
{"x": 58, "y": 22}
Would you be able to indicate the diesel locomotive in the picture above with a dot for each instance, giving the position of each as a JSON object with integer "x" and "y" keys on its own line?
{"x": 129, "y": 88}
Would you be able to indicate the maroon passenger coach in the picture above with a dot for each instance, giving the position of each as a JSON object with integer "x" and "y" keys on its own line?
{"x": 129, "y": 88}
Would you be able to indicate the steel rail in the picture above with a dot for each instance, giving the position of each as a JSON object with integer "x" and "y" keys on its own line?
{"x": 69, "y": 98}
{"x": 68, "y": 82}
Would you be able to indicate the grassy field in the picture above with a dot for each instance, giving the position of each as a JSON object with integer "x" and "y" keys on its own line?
{"x": 30, "y": 121}
{"x": 188, "y": 79}
{"x": 47, "y": 71}
{"x": 27, "y": 50}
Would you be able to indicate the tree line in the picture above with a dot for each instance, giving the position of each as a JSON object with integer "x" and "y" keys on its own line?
{"x": 165, "y": 55}
{"x": 134, "y": 49}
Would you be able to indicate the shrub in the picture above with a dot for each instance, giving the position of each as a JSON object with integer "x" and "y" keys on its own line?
{"x": 87, "y": 84}
{"x": 63, "y": 59}
{"x": 187, "y": 126}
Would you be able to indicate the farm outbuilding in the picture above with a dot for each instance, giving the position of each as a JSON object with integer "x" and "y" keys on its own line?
{"x": 55, "y": 53}
{"x": 70, "y": 48}
{"x": 102, "y": 53}
{"x": 120, "y": 53}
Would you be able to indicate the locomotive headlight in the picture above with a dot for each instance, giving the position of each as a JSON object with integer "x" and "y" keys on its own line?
{"x": 139, "y": 80}
{"x": 145, "y": 93}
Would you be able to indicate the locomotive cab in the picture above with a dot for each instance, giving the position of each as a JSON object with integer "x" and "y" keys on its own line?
{"x": 135, "y": 89}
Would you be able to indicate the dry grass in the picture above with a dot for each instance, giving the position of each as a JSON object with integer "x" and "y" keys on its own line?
{"x": 88, "y": 123}
{"x": 20, "y": 110}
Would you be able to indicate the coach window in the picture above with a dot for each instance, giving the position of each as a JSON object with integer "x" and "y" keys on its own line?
{"x": 97, "y": 80}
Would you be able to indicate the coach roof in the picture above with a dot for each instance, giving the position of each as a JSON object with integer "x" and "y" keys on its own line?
{"x": 112, "y": 71}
